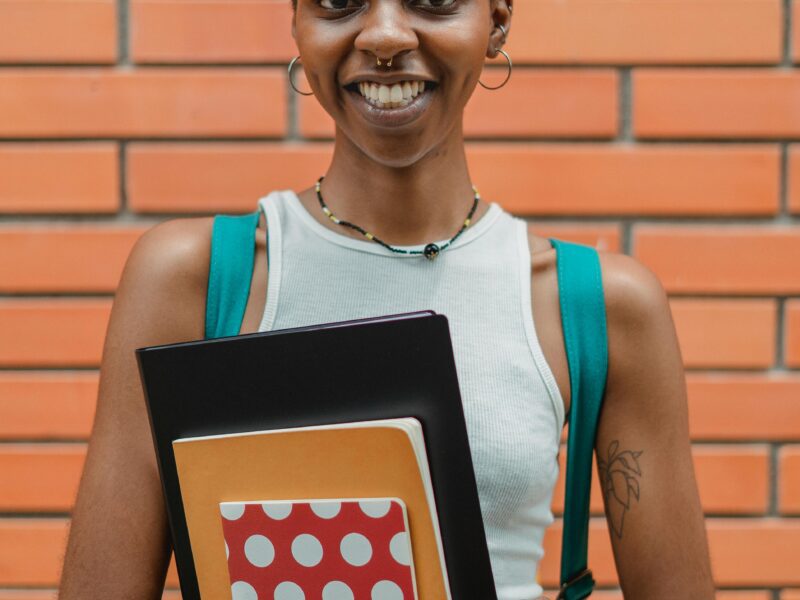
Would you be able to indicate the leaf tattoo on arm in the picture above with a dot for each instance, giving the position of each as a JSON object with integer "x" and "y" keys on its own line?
{"x": 618, "y": 479}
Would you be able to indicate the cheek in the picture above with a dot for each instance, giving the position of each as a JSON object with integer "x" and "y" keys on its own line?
{"x": 323, "y": 47}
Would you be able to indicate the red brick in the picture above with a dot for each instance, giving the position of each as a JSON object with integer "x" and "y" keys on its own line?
{"x": 724, "y": 595}
{"x": 148, "y": 102}
{"x": 213, "y": 31}
{"x": 744, "y": 406}
{"x": 218, "y": 177}
{"x": 725, "y": 333}
{"x": 666, "y": 31}
{"x": 792, "y": 333}
{"x": 66, "y": 257}
{"x": 532, "y": 104}
{"x": 722, "y": 259}
{"x": 793, "y": 174}
{"x": 47, "y": 404}
{"x": 795, "y": 44}
{"x": 570, "y": 179}
{"x": 744, "y": 102}
{"x": 602, "y": 237}
{"x": 40, "y": 477}
{"x": 789, "y": 479}
{"x": 53, "y": 333}
{"x": 59, "y": 177}
{"x": 63, "y": 31}
{"x": 744, "y": 552}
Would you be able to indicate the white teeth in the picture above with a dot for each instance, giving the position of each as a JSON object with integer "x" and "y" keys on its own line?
{"x": 397, "y": 93}
{"x": 391, "y": 96}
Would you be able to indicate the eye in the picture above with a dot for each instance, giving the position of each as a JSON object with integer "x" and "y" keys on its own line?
{"x": 335, "y": 4}
{"x": 436, "y": 4}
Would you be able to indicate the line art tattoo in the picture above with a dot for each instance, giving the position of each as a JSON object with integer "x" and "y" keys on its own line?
{"x": 618, "y": 478}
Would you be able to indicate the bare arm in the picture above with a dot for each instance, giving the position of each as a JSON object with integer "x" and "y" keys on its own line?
{"x": 652, "y": 505}
{"x": 118, "y": 543}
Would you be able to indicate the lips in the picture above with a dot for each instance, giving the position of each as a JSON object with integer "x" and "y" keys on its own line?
{"x": 391, "y": 105}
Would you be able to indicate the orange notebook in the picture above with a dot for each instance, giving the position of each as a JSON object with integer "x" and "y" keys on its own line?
{"x": 369, "y": 459}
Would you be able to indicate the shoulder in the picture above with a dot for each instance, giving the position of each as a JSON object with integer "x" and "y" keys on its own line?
{"x": 162, "y": 290}
{"x": 634, "y": 295}
{"x": 174, "y": 252}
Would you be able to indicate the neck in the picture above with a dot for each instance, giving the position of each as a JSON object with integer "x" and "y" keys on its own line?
{"x": 416, "y": 204}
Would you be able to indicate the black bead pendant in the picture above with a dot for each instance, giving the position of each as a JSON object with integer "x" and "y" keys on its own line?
{"x": 431, "y": 251}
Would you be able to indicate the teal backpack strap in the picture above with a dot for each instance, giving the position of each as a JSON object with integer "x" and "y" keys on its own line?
{"x": 583, "y": 317}
{"x": 230, "y": 271}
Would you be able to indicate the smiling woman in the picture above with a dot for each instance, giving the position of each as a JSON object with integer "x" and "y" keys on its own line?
{"x": 396, "y": 224}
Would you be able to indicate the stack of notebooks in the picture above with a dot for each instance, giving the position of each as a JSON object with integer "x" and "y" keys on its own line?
{"x": 328, "y": 462}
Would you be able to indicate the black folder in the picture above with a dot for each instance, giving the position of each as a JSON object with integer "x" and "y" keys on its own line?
{"x": 386, "y": 367}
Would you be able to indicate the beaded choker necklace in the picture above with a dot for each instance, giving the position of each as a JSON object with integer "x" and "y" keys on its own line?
{"x": 431, "y": 250}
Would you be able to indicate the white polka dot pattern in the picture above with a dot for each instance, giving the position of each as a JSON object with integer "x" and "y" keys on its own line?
{"x": 325, "y": 549}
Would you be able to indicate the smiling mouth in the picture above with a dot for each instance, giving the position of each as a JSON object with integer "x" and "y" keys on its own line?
{"x": 387, "y": 97}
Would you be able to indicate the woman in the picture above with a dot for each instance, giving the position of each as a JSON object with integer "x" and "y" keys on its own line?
{"x": 395, "y": 76}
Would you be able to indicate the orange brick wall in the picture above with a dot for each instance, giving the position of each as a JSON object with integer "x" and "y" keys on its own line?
{"x": 664, "y": 129}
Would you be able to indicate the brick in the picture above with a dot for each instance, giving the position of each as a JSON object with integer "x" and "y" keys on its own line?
{"x": 65, "y": 257}
{"x": 792, "y": 333}
{"x": 720, "y": 595}
{"x": 789, "y": 480}
{"x": 723, "y": 103}
{"x": 56, "y": 405}
{"x": 731, "y": 479}
{"x": 603, "y": 237}
{"x": 666, "y": 31}
{"x": 530, "y": 105}
{"x": 32, "y": 552}
{"x": 28, "y": 594}
{"x": 213, "y": 31}
{"x": 744, "y": 552}
{"x": 52, "y": 333}
{"x": 744, "y": 595}
{"x": 40, "y": 477}
{"x": 51, "y": 594}
{"x": 721, "y": 259}
{"x": 59, "y": 177}
{"x": 218, "y": 177}
{"x": 793, "y": 175}
{"x": 66, "y": 31}
{"x": 572, "y": 179}
{"x": 744, "y": 406}
{"x": 150, "y": 102}
{"x": 569, "y": 179}
{"x": 795, "y": 45}
{"x": 725, "y": 333}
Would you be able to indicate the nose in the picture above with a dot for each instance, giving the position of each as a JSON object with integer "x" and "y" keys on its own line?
{"x": 387, "y": 30}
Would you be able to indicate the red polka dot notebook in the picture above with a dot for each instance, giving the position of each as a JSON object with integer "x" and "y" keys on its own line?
{"x": 329, "y": 549}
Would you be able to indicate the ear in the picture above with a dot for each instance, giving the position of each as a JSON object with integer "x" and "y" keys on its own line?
{"x": 500, "y": 14}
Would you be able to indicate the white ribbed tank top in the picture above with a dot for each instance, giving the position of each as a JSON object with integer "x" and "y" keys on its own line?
{"x": 481, "y": 283}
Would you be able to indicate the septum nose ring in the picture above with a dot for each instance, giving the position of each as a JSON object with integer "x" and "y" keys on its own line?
{"x": 388, "y": 64}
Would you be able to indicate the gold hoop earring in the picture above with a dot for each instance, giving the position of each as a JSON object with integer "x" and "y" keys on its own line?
{"x": 508, "y": 76}
{"x": 291, "y": 81}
